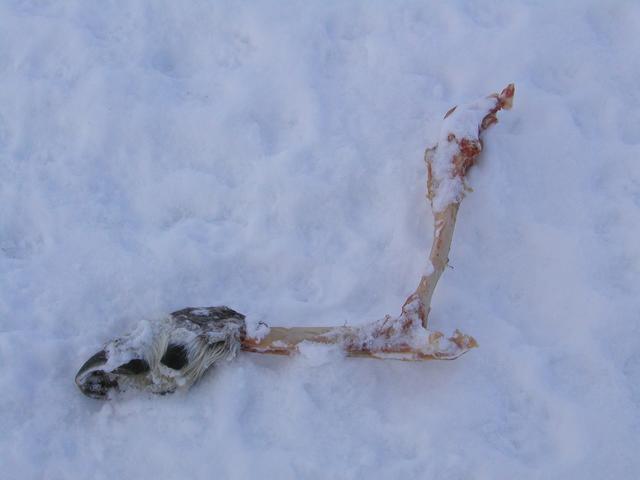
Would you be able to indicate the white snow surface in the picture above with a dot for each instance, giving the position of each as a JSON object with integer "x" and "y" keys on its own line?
{"x": 268, "y": 156}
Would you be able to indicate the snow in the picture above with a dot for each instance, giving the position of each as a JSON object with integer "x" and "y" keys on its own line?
{"x": 462, "y": 123}
{"x": 256, "y": 329}
{"x": 133, "y": 344}
{"x": 316, "y": 354}
{"x": 268, "y": 156}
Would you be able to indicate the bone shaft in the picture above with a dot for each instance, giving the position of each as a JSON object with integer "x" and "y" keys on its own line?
{"x": 285, "y": 341}
{"x": 444, "y": 225}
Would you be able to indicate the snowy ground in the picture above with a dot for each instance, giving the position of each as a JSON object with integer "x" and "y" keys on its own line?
{"x": 268, "y": 156}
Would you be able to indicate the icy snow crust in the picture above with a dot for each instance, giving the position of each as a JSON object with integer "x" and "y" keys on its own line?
{"x": 268, "y": 156}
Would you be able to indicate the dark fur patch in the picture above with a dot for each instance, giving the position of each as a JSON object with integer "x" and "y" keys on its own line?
{"x": 175, "y": 357}
{"x": 133, "y": 367}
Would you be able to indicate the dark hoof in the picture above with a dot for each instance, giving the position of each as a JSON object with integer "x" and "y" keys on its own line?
{"x": 98, "y": 384}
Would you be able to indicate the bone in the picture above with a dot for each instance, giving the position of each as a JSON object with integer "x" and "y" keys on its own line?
{"x": 406, "y": 337}
{"x": 174, "y": 352}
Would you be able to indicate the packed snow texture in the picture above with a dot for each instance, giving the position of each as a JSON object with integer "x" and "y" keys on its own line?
{"x": 268, "y": 156}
